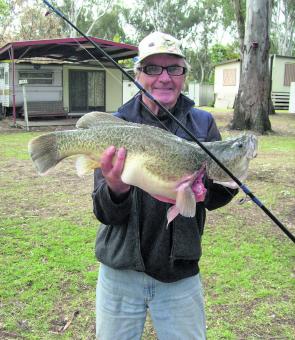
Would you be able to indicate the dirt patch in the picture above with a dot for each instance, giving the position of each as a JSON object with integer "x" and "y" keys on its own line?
{"x": 7, "y": 125}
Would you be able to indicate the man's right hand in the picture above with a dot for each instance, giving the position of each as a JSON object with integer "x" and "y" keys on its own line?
{"x": 112, "y": 164}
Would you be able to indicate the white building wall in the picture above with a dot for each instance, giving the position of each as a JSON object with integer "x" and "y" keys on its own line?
{"x": 292, "y": 98}
{"x": 129, "y": 90}
{"x": 225, "y": 95}
{"x": 278, "y": 73}
{"x": 114, "y": 93}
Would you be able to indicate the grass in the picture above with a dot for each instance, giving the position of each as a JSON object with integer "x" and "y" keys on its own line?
{"x": 48, "y": 268}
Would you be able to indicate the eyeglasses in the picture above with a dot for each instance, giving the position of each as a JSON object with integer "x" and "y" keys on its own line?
{"x": 156, "y": 70}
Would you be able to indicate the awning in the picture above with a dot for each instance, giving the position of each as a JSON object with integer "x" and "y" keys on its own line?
{"x": 69, "y": 49}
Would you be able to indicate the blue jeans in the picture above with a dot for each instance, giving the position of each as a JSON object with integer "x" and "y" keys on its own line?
{"x": 123, "y": 297}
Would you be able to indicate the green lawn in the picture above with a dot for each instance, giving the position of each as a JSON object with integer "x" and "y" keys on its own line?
{"x": 47, "y": 232}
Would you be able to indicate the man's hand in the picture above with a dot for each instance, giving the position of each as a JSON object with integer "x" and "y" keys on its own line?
{"x": 112, "y": 164}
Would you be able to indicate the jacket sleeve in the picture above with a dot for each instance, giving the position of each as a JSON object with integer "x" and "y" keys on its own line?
{"x": 213, "y": 133}
{"x": 105, "y": 208}
{"x": 217, "y": 195}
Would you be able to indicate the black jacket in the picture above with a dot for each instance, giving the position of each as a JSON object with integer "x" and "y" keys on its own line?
{"x": 133, "y": 234}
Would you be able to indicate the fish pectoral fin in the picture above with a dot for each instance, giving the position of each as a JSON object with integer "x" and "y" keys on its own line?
{"x": 85, "y": 165}
{"x": 172, "y": 213}
{"x": 185, "y": 200}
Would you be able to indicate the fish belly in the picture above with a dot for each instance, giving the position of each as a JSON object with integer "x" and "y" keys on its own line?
{"x": 136, "y": 173}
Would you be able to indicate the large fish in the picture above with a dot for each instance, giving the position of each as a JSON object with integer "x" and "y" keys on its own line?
{"x": 167, "y": 167}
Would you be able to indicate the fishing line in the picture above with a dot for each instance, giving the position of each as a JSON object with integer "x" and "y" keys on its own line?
{"x": 119, "y": 81}
{"x": 141, "y": 101}
{"x": 246, "y": 190}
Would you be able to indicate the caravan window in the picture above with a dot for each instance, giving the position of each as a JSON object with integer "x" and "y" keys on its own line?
{"x": 1, "y": 73}
{"x": 37, "y": 77}
{"x": 289, "y": 74}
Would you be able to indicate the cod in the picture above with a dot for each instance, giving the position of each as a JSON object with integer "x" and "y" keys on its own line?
{"x": 169, "y": 168}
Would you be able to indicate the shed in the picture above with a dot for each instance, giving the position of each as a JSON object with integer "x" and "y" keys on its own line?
{"x": 226, "y": 83}
{"x": 64, "y": 76}
{"x": 227, "y": 79}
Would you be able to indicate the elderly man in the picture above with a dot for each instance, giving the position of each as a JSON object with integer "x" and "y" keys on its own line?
{"x": 144, "y": 265}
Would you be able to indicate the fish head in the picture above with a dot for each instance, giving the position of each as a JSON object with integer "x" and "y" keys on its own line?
{"x": 235, "y": 154}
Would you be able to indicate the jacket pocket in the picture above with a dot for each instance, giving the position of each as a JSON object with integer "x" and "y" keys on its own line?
{"x": 186, "y": 239}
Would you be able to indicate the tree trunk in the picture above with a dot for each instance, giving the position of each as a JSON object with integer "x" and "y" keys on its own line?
{"x": 240, "y": 22}
{"x": 253, "y": 102}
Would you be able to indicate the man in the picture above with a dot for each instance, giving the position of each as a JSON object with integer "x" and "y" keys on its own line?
{"x": 145, "y": 265}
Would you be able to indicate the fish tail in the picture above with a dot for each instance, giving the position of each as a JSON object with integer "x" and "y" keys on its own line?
{"x": 44, "y": 152}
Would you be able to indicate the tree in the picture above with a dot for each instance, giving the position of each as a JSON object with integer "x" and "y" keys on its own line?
{"x": 84, "y": 14}
{"x": 110, "y": 25}
{"x": 36, "y": 23}
{"x": 283, "y": 27}
{"x": 195, "y": 24}
{"x": 219, "y": 53}
{"x": 9, "y": 9}
{"x": 253, "y": 101}
{"x": 153, "y": 15}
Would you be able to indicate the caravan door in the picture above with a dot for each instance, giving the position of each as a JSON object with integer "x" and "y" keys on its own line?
{"x": 86, "y": 90}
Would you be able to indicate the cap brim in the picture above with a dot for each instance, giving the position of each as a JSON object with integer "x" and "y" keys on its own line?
{"x": 155, "y": 53}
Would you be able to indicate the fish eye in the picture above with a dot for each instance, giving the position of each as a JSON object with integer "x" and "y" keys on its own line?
{"x": 240, "y": 145}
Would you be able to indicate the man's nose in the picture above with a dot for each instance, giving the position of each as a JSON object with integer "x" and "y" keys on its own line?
{"x": 164, "y": 75}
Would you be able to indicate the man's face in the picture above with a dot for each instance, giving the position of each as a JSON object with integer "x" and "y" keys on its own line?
{"x": 164, "y": 87}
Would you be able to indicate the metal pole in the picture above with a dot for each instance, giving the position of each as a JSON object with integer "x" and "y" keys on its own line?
{"x": 25, "y": 107}
{"x": 13, "y": 87}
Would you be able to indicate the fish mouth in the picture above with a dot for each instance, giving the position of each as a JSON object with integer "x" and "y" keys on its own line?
{"x": 238, "y": 167}
{"x": 252, "y": 147}
{"x": 231, "y": 184}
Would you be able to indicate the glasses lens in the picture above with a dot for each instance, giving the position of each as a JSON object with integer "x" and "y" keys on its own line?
{"x": 172, "y": 70}
{"x": 153, "y": 69}
{"x": 175, "y": 70}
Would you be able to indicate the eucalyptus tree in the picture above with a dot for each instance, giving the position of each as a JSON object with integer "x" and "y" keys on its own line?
{"x": 4, "y": 10}
{"x": 194, "y": 23}
{"x": 9, "y": 9}
{"x": 175, "y": 17}
{"x": 110, "y": 25}
{"x": 283, "y": 27}
{"x": 253, "y": 102}
{"x": 35, "y": 22}
{"x": 84, "y": 14}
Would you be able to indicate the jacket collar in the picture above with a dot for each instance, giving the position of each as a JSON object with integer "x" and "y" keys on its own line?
{"x": 130, "y": 110}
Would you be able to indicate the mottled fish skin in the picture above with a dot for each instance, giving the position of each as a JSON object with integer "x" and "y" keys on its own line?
{"x": 162, "y": 154}
{"x": 166, "y": 155}
{"x": 160, "y": 163}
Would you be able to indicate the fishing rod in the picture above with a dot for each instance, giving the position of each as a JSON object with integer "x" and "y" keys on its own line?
{"x": 245, "y": 189}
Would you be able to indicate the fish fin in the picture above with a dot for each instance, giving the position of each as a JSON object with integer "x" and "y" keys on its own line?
{"x": 85, "y": 165}
{"x": 172, "y": 213}
{"x": 95, "y": 118}
{"x": 185, "y": 200}
{"x": 44, "y": 154}
{"x": 198, "y": 187}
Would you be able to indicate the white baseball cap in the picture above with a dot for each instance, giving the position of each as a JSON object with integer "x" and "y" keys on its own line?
{"x": 158, "y": 43}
